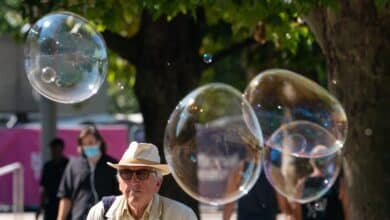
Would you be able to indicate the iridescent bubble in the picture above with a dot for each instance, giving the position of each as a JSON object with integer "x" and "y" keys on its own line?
{"x": 213, "y": 144}
{"x": 67, "y": 45}
{"x": 207, "y": 58}
{"x": 298, "y": 117}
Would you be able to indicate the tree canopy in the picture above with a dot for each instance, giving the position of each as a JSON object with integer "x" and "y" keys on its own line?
{"x": 278, "y": 36}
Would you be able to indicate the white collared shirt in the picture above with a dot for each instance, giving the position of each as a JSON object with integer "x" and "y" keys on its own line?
{"x": 160, "y": 208}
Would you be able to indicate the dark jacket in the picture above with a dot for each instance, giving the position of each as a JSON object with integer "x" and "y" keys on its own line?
{"x": 259, "y": 203}
{"x": 85, "y": 187}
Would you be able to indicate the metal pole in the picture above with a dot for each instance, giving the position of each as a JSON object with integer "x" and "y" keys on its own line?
{"x": 18, "y": 192}
{"x": 17, "y": 187}
{"x": 48, "y": 126}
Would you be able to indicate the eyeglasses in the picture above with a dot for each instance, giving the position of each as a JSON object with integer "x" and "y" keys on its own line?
{"x": 140, "y": 175}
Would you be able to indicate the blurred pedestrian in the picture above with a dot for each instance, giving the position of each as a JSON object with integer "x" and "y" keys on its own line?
{"x": 50, "y": 180}
{"x": 260, "y": 202}
{"x": 140, "y": 175}
{"x": 332, "y": 205}
{"x": 87, "y": 178}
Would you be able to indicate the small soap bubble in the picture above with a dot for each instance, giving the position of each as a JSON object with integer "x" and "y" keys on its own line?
{"x": 48, "y": 75}
{"x": 207, "y": 58}
{"x": 368, "y": 131}
{"x": 120, "y": 85}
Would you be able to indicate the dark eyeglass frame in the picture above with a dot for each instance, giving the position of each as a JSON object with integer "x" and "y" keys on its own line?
{"x": 142, "y": 174}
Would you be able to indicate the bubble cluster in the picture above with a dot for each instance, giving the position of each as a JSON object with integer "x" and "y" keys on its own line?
{"x": 213, "y": 144}
{"x": 65, "y": 57}
{"x": 304, "y": 128}
{"x": 280, "y": 97}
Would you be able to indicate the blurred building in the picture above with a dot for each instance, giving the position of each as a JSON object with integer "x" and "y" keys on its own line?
{"x": 18, "y": 97}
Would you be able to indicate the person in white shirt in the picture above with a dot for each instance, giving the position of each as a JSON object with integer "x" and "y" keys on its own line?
{"x": 140, "y": 176}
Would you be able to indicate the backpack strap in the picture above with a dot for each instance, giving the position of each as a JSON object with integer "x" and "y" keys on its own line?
{"x": 107, "y": 202}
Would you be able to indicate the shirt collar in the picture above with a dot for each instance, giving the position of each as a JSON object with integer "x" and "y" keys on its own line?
{"x": 153, "y": 209}
{"x": 156, "y": 207}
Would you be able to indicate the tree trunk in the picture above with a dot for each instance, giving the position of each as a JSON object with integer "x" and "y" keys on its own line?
{"x": 168, "y": 67}
{"x": 355, "y": 40}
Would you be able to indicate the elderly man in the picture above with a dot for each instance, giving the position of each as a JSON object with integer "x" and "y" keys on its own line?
{"x": 140, "y": 175}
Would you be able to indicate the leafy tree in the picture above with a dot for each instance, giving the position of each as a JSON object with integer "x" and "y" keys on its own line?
{"x": 165, "y": 41}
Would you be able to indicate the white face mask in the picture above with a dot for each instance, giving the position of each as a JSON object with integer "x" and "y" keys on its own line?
{"x": 91, "y": 151}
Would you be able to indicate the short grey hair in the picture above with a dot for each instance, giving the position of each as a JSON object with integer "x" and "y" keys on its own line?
{"x": 158, "y": 174}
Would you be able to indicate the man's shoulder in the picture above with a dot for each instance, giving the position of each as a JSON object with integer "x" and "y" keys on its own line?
{"x": 53, "y": 165}
{"x": 100, "y": 209}
{"x": 169, "y": 201}
{"x": 48, "y": 164}
{"x": 170, "y": 204}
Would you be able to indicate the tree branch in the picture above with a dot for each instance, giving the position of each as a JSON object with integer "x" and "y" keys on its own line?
{"x": 220, "y": 55}
{"x": 316, "y": 22}
{"x": 123, "y": 46}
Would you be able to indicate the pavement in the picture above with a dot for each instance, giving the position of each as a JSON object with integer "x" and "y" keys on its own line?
{"x": 12, "y": 216}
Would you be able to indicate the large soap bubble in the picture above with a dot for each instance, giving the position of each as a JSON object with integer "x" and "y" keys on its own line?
{"x": 213, "y": 144}
{"x": 65, "y": 57}
{"x": 279, "y": 97}
{"x": 302, "y": 124}
{"x": 300, "y": 175}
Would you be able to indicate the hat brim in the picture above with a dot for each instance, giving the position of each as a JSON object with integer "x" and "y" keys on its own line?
{"x": 163, "y": 168}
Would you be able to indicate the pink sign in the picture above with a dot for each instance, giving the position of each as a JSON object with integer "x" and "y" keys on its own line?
{"x": 23, "y": 145}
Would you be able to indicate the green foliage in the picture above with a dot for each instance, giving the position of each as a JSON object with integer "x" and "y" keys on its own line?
{"x": 285, "y": 40}
{"x": 382, "y": 4}
{"x": 236, "y": 22}
{"x": 11, "y": 19}
{"x": 237, "y": 19}
{"x": 288, "y": 42}
{"x": 121, "y": 79}
{"x": 228, "y": 71}
{"x": 171, "y": 8}
{"x": 239, "y": 68}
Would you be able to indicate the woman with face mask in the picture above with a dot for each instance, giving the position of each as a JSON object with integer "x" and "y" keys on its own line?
{"x": 87, "y": 178}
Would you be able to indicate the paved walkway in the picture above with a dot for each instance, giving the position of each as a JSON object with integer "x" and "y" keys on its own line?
{"x": 24, "y": 216}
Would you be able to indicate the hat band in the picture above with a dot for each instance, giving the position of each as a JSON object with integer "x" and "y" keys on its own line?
{"x": 139, "y": 161}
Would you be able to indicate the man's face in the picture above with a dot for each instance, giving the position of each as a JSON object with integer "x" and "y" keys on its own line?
{"x": 138, "y": 185}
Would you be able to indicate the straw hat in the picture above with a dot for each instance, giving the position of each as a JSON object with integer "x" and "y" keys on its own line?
{"x": 141, "y": 155}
